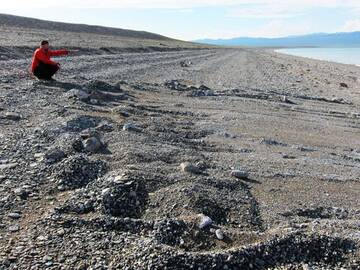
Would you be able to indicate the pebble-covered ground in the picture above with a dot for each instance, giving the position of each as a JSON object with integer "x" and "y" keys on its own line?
{"x": 194, "y": 159}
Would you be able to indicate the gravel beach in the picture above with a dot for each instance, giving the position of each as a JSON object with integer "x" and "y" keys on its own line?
{"x": 178, "y": 156}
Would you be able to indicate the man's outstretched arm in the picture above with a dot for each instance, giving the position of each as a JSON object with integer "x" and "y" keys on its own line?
{"x": 58, "y": 52}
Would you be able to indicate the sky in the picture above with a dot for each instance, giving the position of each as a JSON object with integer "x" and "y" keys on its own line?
{"x": 198, "y": 19}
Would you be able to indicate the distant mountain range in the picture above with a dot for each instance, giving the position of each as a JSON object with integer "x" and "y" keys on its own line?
{"x": 349, "y": 39}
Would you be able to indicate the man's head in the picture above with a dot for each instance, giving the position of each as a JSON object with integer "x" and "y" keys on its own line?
{"x": 45, "y": 44}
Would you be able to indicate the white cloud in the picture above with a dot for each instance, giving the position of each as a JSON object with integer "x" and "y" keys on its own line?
{"x": 282, "y": 28}
{"x": 351, "y": 26}
{"x": 272, "y": 29}
{"x": 282, "y": 9}
{"x": 264, "y": 11}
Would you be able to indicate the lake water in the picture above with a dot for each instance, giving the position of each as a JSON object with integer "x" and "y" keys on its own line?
{"x": 341, "y": 55}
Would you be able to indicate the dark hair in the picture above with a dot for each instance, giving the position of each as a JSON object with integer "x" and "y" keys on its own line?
{"x": 44, "y": 42}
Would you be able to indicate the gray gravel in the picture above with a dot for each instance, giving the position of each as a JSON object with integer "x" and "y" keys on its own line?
{"x": 124, "y": 171}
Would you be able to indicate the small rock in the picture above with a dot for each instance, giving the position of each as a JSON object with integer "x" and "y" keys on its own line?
{"x": 61, "y": 232}
{"x": 8, "y": 166}
{"x": 39, "y": 155}
{"x": 202, "y": 93}
{"x": 130, "y": 127}
{"x": 14, "y": 215}
{"x": 94, "y": 101}
{"x": 119, "y": 179}
{"x": 286, "y": 100}
{"x": 42, "y": 238}
{"x": 185, "y": 63}
{"x": 14, "y": 228}
{"x": 77, "y": 93}
{"x": 12, "y": 116}
{"x": 219, "y": 234}
{"x": 344, "y": 85}
{"x": 189, "y": 168}
{"x": 105, "y": 191}
{"x": 106, "y": 127}
{"x": 92, "y": 144}
{"x": 241, "y": 174}
{"x": 54, "y": 155}
{"x": 47, "y": 258}
{"x": 22, "y": 193}
{"x": 205, "y": 222}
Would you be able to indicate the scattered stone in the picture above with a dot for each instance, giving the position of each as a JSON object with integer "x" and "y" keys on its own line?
{"x": 170, "y": 232}
{"x": 319, "y": 213}
{"x": 8, "y": 166}
{"x": 185, "y": 63}
{"x": 272, "y": 142}
{"x": 175, "y": 85}
{"x": 39, "y": 155}
{"x": 205, "y": 221}
{"x": 339, "y": 100}
{"x": 202, "y": 93}
{"x": 121, "y": 110}
{"x": 287, "y": 156}
{"x": 285, "y": 99}
{"x": 14, "y": 215}
{"x": 77, "y": 93}
{"x": 240, "y": 174}
{"x": 201, "y": 90}
{"x": 77, "y": 171}
{"x": 47, "y": 258}
{"x": 42, "y": 238}
{"x": 120, "y": 83}
{"x": 105, "y": 191}
{"x": 11, "y": 116}
{"x": 105, "y": 127}
{"x": 22, "y": 192}
{"x": 131, "y": 127}
{"x": 189, "y": 168}
{"x": 92, "y": 144}
{"x": 100, "y": 86}
{"x": 94, "y": 101}
{"x": 61, "y": 232}
{"x": 127, "y": 199}
{"x": 54, "y": 155}
{"x": 14, "y": 228}
{"x": 219, "y": 234}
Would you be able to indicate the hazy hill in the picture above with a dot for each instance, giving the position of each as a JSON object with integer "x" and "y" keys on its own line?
{"x": 24, "y": 34}
{"x": 351, "y": 39}
{"x": 24, "y": 22}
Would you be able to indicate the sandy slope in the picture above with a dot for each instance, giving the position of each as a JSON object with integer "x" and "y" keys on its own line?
{"x": 285, "y": 120}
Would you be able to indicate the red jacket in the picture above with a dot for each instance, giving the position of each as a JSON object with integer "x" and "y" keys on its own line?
{"x": 41, "y": 55}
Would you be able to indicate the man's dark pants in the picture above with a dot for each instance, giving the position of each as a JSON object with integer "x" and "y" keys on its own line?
{"x": 45, "y": 71}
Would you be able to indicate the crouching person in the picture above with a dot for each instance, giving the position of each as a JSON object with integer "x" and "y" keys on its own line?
{"x": 42, "y": 66}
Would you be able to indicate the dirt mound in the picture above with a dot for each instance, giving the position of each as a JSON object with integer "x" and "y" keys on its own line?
{"x": 291, "y": 249}
{"x": 224, "y": 203}
{"x": 126, "y": 199}
{"x": 77, "y": 171}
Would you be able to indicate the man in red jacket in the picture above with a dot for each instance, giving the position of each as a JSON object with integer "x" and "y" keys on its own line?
{"x": 42, "y": 66}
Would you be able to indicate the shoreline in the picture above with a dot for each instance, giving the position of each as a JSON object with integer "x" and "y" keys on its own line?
{"x": 287, "y": 51}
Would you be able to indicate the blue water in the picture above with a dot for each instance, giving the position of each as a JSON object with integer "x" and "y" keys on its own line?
{"x": 341, "y": 55}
